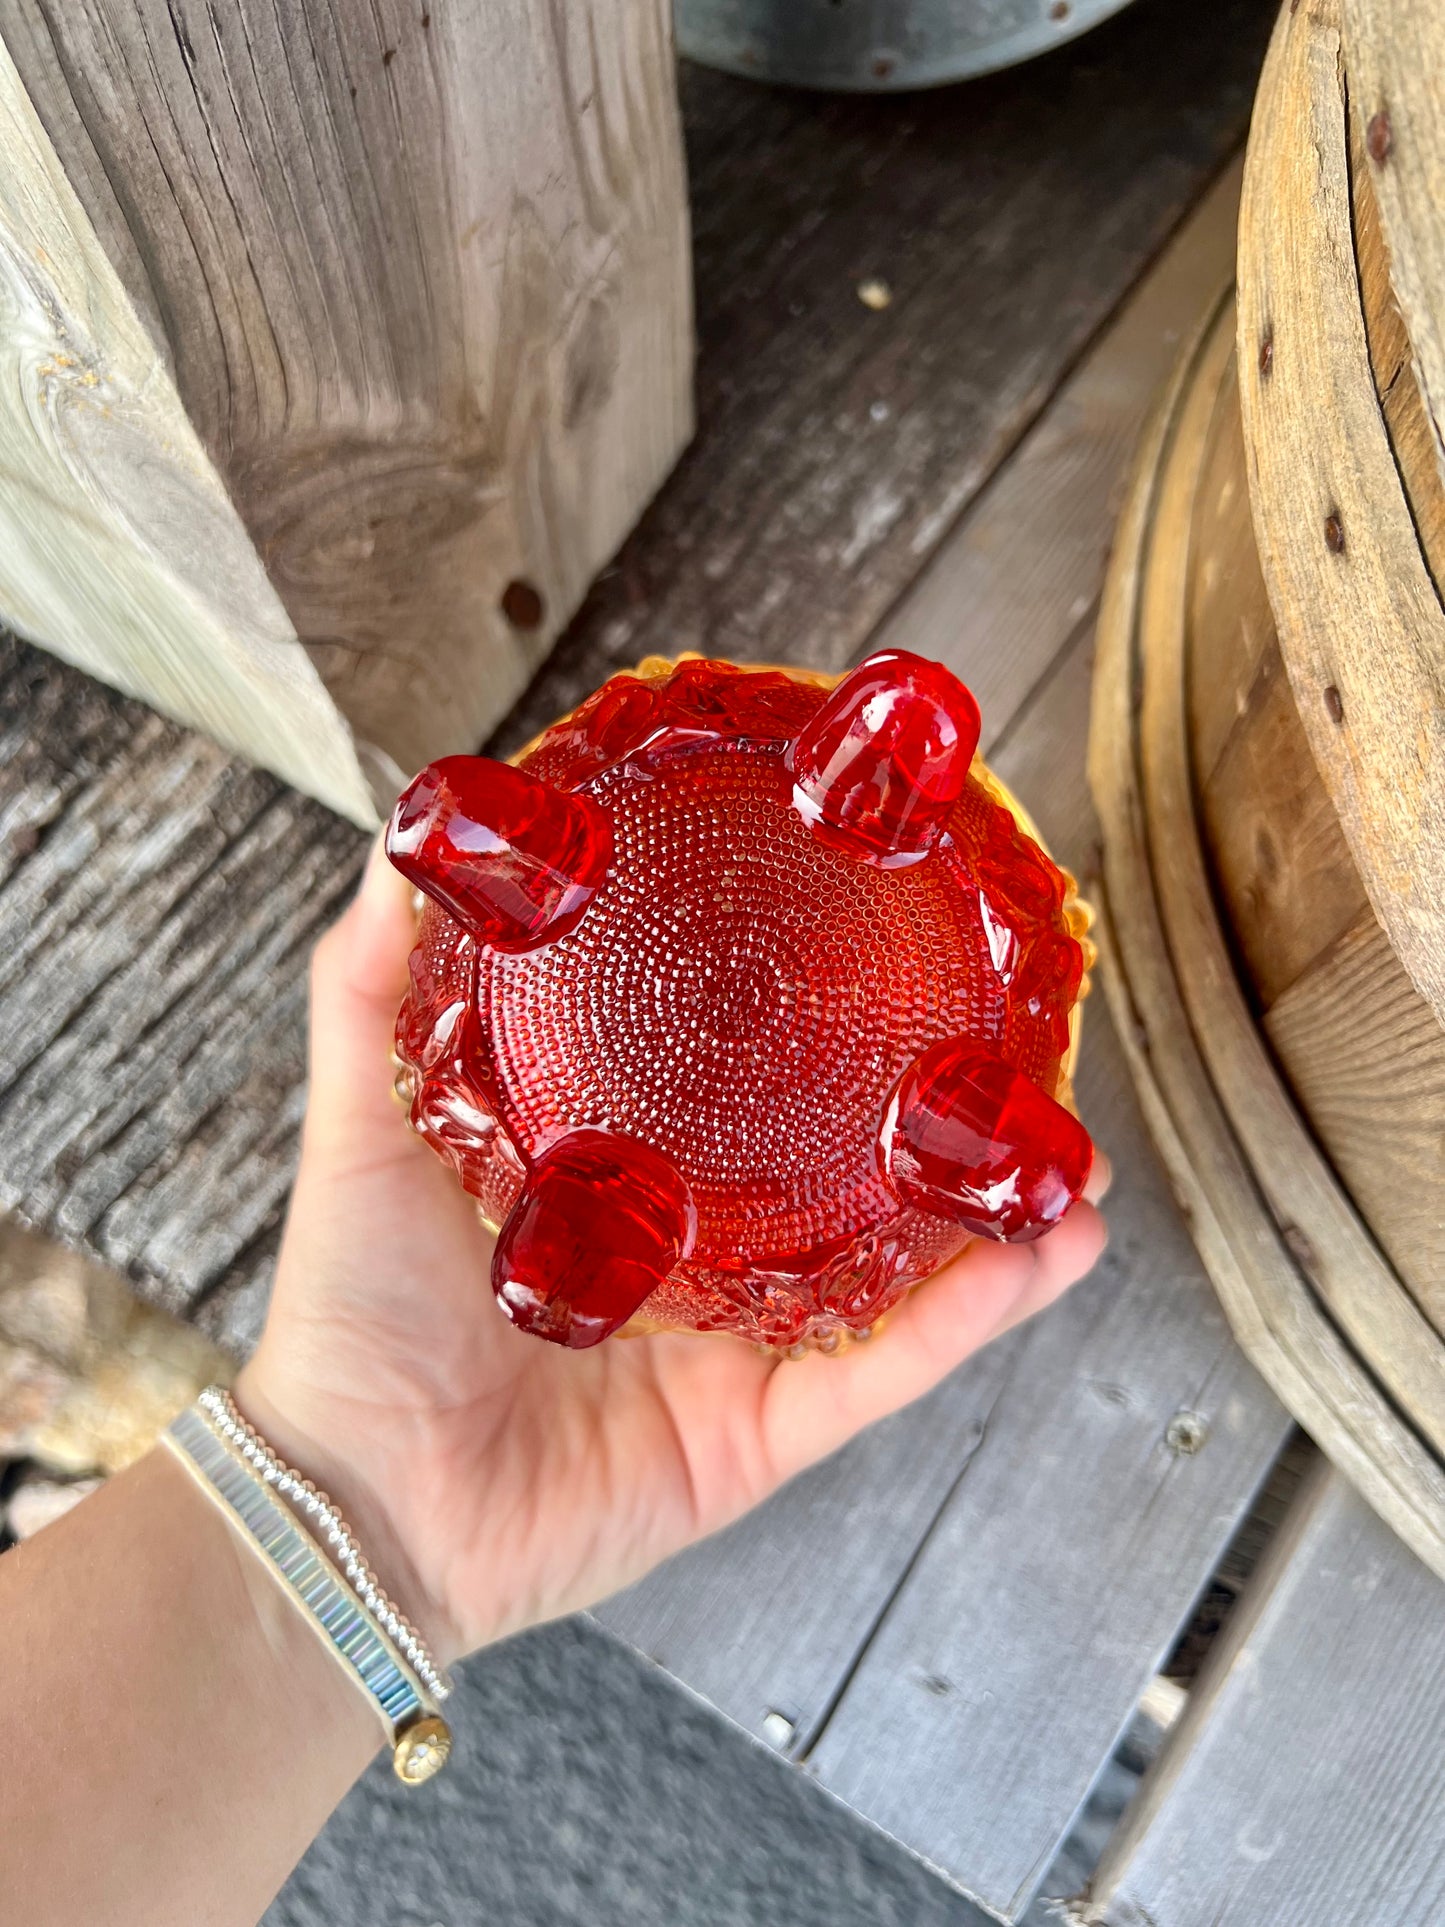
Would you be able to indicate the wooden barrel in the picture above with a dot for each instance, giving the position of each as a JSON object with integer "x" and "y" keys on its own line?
{"x": 1268, "y": 754}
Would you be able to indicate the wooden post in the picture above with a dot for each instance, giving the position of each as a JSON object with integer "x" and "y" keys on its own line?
{"x": 419, "y": 280}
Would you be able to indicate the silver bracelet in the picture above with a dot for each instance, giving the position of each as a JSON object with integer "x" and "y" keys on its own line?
{"x": 219, "y": 1406}
{"x": 212, "y": 1444}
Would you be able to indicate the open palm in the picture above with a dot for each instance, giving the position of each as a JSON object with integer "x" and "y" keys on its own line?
{"x": 494, "y": 1480}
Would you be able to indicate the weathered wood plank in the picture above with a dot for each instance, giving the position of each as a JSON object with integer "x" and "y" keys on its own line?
{"x": 423, "y": 278}
{"x": 1303, "y": 1783}
{"x": 1055, "y": 1577}
{"x": 1356, "y": 606}
{"x": 1365, "y": 1055}
{"x": 157, "y": 904}
{"x": 1011, "y": 582}
{"x": 838, "y": 445}
{"x": 118, "y": 545}
{"x": 1274, "y": 844}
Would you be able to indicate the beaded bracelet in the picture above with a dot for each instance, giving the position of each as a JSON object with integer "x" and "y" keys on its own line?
{"x": 380, "y": 1650}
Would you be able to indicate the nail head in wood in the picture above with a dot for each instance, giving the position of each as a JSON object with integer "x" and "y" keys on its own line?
{"x": 1186, "y": 1434}
{"x": 522, "y": 605}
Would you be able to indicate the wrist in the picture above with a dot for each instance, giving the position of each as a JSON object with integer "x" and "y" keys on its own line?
{"x": 320, "y": 1446}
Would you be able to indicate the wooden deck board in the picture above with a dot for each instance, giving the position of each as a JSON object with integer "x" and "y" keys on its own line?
{"x": 1303, "y": 1783}
{"x": 1006, "y": 589}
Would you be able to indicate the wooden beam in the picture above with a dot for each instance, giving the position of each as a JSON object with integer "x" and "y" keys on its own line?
{"x": 423, "y": 282}
{"x": 118, "y": 546}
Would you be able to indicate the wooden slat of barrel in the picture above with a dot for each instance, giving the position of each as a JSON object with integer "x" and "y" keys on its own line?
{"x": 1362, "y": 630}
{"x": 1395, "y": 59}
{"x": 1411, "y": 428}
{"x": 1280, "y": 860}
{"x": 1362, "y": 1294}
{"x": 1361, "y": 1048}
{"x": 1287, "y": 1270}
{"x": 1366, "y": 1059}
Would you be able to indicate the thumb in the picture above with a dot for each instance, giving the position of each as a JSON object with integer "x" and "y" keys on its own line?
{"x": 358, "y": 979}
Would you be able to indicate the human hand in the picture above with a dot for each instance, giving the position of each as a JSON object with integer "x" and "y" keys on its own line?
{"x": 495, "y": 1481}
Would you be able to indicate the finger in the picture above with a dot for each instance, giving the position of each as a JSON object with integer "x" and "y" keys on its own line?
{"x": 358, "y": 979}
{"x": 1069, "y": 1253}
{"x": 815, "y": 1405}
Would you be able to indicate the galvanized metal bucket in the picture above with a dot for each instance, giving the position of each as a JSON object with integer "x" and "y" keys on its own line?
{"x": 871, "y": 46}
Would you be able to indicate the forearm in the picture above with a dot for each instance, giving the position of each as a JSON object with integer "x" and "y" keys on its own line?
{"x": 174, "y": 1732}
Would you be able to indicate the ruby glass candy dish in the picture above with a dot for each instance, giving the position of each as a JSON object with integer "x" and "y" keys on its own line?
{"x": 740, "y": 1003}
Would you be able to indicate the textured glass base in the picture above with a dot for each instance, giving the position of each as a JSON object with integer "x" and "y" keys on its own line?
{"x": 743, "y": 997}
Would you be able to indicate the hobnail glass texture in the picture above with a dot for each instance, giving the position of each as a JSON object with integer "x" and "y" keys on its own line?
{"x": 744, "y": 998}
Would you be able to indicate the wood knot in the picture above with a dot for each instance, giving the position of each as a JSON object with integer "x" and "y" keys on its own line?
{"x": 1379, "y": 137}
{"x": 1334, "y": 703}
{"x": 1334, "y": 533}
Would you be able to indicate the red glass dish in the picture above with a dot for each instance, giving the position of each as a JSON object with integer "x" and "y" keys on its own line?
{"x": 695, "y": 1098}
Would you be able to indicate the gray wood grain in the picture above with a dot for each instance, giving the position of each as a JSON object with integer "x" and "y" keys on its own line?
{"x": 1305, "y": 1783}
{"x": 158, "y": 901}
{"x": 422, "y": 276}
